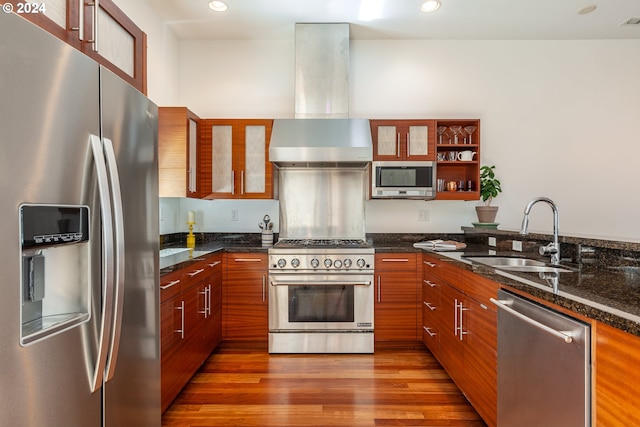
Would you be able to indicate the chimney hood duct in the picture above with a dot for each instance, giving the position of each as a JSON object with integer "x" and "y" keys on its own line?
{"x": 321, "y": 133}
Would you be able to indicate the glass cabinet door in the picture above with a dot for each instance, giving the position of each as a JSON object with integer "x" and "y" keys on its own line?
{"x": 222, "y": 176}
{"x": 387, "y": 141}
{"x": 192, "y": 185}
{"x": 254, "y": 173}
{"x": 418, "y": 141}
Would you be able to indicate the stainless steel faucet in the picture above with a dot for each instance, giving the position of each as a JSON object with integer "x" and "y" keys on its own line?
{"x": 552, "y": 248}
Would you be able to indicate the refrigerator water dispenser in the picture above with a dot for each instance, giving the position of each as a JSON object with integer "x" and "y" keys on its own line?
{"x": 55, "y": 269}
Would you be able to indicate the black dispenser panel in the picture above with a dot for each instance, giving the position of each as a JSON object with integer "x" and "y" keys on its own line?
{"x": 47, "y": 225}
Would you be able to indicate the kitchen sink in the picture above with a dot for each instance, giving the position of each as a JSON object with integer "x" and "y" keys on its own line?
{"x": 526, "y": 265}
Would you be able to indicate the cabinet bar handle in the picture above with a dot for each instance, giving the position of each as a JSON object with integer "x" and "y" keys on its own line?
{"x": 428, "y": 330}
{"x": 395, "y": 260}
{"x": 430, "y": 264}
{"x": 204, "y": 302}
{"x": 80, "y": 27}
{"x": 181, "y": 330}
{"x": 94, "y": 30}
{"x": 429, "y": 305}
{"x": 213, "y": 264}
{"x": 455, "y": 318}
{"x": 461, "y": 310}
{"x": 195, "y": 273}
{"x": 209, "y": 299}
{"x": 430, "y": 283}
{"x": 170, "y": 284}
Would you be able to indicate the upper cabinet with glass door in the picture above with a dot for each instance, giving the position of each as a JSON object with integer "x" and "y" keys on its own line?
{"x": 403, "y": 139}
{"x": 98, "y": 28}
{"x": 234, "y": 159}
{"x": 178, "y": 152}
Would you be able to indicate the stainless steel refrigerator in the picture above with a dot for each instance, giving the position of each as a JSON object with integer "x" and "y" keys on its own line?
{"x": 79, "y": 334}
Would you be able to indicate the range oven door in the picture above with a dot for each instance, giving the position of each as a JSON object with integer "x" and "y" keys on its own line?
{"x": 320, "y": 302}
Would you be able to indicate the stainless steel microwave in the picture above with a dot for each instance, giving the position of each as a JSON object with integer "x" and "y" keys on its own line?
{"x": 403, "y": 180}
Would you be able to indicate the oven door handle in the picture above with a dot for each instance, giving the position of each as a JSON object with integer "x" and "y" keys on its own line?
{"x": 319, "y": 283}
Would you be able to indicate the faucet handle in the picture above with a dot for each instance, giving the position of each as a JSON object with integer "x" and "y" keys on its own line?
{"x": 550, "y": 249}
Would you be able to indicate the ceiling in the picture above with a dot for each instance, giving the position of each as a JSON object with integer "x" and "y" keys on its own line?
{"x": 402, "y": 19}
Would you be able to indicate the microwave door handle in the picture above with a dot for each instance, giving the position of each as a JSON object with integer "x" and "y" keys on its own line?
{"x": 108, "y": 261}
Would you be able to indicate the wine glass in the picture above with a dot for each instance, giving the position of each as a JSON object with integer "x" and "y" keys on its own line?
{"x": 441, "y": 130}
{"x": 470, "y": 130}
{"x": 456, "y": 131}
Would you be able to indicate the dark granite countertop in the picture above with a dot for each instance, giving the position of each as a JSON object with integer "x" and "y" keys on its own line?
{"x": 608, "y": 295}
{"x": 599, "y": 288}
{"x": 173, "y": 262}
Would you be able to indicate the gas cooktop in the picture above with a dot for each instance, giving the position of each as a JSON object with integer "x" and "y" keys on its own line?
{"x": 322, "y": 243}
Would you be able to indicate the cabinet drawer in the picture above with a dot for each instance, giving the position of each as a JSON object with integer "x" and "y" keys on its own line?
{"x": 396, "y": 262}
{"x": 442, "y": 270}
{"x": 171, "y": 285}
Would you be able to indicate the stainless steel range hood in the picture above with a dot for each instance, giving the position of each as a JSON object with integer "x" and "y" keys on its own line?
{"x": 321, "y": 133}
{"x": 321, "y": 142}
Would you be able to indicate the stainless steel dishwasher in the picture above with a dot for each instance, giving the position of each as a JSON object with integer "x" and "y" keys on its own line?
{"x": 544, "y": 366}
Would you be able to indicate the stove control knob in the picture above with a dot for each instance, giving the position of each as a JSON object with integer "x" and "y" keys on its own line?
{"x": 327, "y": 263}
{"x": 360, "y": 263}
{"x": 315, "y": 263}
{"x": 347, "y": 263}
{"x": 337, "y": 263}
{"x": 295, "y": 263}
{"x": 282, "y": 263}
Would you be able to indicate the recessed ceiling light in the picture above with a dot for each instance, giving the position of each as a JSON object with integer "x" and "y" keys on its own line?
{"x": 632, "y": 21}
{"x": 430, "y": 5}
{"x": 587, "y": 9}
{"x": 218, "y": 6}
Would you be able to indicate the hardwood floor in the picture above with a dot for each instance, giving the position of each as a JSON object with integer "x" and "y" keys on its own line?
{"x": 242, "y": 385}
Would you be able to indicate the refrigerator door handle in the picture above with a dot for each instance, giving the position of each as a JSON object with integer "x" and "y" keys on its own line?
{"x": 107, "y": 261}
{"x": 118, "y": 222}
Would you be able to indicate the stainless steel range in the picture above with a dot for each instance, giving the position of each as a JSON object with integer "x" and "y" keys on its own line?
{"x": 321, "y": 291}
{"x": 321, "y": 296}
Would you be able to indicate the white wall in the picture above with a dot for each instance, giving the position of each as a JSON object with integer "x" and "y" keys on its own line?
{"x": 216, "y": 215}
{"x": 162, "y": 51}
{"x": 558, "y": 118}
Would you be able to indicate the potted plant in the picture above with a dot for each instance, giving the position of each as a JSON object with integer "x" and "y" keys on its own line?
{"x": 489, "y": 188}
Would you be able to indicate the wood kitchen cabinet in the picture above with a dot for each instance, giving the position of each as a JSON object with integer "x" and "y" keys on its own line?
{"x": 106, "y": 33}
{"x": 403, "y": 139}
{"x": 617, "y": 377}
{"x": 235, "y": 159}
{"x": 463, "y": 331}
{"x": 245, "y": 297}
{"x": 435, "y": 275}
{"x": 211, "y": 303}
{"x": 395, "y": 303}
{"x": 454, "y": 169}
{"x": 177, "y": 152}
{"x": 191, "y": 322}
